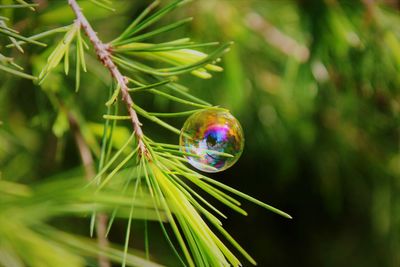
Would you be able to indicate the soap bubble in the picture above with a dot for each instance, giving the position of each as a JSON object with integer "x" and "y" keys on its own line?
{"x": 214, "y": 137}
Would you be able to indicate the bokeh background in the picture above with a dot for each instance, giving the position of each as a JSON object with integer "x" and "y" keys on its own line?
{"x": 315, "y": 85}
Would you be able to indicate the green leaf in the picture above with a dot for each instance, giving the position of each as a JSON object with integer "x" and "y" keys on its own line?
{"x": 43, "y": 34}
{"x": 114, "y": 96}
{"x": 247, "y": 197}
{"x": 156, "y": 120}
{"x": 17, "y": 73}
{"x": 138, "y": 19}
{"x": 20, "y": 37}
{"x": 26, "y": 5}
{"x": 148, "y": 86}
{"x": 160, "y": 30}
{"x": 135, "y": 65}
{"x": 103, "y": 4}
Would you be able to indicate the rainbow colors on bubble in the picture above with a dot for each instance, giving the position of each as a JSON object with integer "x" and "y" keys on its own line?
{"x": 215, "y": 139}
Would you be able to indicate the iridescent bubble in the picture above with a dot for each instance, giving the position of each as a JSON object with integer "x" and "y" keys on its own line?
{"x": 214, "y": 137}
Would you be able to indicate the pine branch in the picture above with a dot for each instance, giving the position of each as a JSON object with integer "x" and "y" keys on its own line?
{"x": 87, "y": 160}
{"x": 102, "y": 51}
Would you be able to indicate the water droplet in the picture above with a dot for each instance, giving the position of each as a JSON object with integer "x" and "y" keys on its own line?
{"x": 213, "y": 138}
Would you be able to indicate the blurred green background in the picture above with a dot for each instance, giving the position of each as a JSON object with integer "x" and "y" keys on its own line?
{"x": 315, "y": 84}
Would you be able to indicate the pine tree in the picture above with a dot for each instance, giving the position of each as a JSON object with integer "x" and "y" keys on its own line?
{"x": 131, "y": 173}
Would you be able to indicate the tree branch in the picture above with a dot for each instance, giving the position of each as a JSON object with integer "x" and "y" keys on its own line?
{"x": 103, "y": 53}
{"x": 87, "y": 160}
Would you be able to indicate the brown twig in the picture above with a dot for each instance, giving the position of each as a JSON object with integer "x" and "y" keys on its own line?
{"x": 369, "y": 10}
{"x": 88, "y": 164}
{"x": 103, "y": 53}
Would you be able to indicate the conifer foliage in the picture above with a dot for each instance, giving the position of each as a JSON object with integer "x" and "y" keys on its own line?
{"x": 130, "y": 173}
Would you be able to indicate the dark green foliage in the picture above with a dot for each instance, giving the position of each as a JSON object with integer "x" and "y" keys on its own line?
{"x": 314, "y": 84}
{"x": 323, "y": 133}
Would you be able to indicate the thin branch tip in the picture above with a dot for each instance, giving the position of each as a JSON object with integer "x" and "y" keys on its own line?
{"x": 103, "y": 52}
